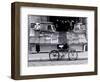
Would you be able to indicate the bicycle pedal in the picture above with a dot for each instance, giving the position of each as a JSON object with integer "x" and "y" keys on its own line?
{"x": 62, "y": 56}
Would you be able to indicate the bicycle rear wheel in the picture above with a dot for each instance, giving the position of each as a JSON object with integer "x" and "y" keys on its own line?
{"x": 72, "y": 55}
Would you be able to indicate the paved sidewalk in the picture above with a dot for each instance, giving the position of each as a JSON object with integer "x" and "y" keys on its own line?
{"x": 45, "y": 56}
{"x": 42, "y": 59}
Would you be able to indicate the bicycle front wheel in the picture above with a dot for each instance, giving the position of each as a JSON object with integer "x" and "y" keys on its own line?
{"x": 54, "y": 55}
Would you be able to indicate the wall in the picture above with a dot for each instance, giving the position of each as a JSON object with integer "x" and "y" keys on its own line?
{"x": 5, "y": 40}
